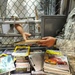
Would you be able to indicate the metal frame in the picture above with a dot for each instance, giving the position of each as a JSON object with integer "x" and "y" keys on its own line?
{"x": 52, "y": 25}
{"x": 19, "y": 21}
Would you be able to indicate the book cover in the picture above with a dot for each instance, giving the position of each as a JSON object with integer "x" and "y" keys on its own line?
{"x": 6, "y": 64}
{"x": 57, "y": 63}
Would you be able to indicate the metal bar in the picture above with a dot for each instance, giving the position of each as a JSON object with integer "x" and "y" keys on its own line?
{"x": 10, "y": 35}
{"x": 17, "y": 35}
{"x": 20, "y": 21}
{"x": 6, "y": 18}
{"x": 31, "y": 48}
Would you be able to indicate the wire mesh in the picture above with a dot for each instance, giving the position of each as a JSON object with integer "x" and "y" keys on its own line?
{"x": 24, "y": 9}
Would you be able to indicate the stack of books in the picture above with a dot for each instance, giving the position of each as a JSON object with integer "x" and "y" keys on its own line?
{"x": 37, "y": 73}
{"x": 55, "y": 63}
{"x": 6, "y": 64}
{"x": 22, "y": 65}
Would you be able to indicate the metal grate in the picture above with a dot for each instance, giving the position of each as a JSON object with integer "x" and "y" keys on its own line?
{"x": 24, "y": 9}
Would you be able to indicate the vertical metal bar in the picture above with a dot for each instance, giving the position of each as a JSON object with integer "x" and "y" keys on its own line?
{"x": 0, "y": 10}
{"x": 67, "y": 9}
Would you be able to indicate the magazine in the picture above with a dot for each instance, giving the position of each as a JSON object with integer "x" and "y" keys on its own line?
{"x": 55, "y": 62}
{"x": 6, "y": 64}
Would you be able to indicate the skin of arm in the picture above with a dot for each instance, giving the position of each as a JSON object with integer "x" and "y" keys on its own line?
{"x": 66, "y": 46}
{"x": 21, "y": 31}
{"x": 47, "y": 41}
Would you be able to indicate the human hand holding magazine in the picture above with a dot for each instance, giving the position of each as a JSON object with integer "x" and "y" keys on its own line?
{"x": 33, "y": 41}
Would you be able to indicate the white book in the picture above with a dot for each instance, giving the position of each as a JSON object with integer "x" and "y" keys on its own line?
{"x": 22, "y": 74}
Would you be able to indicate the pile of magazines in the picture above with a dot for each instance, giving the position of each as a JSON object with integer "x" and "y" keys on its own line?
{"x": 55, "y": 63}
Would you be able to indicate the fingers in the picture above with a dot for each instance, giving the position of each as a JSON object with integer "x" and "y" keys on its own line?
{"x": 27, "y": 34}
{"x": 44, "y": 44}
{"x": 24, "y": 37}
{"x": 44, "y": 38}
{"x": 41, "y": 41}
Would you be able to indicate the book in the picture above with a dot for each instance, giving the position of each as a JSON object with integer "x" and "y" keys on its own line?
{"x": 27, "y": 42}
{"x": 19, "y": 52}
{"x": 55, "y": 62}
{"x": 6, "y": 64}
{"x": 22, "y": 67}
{"x": 21, "y": 74}
{"x": 36, "y": 59}
{"x": 37, "y": 73}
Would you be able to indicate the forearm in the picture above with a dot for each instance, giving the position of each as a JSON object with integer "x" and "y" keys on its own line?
{"x": 19, "y": 28}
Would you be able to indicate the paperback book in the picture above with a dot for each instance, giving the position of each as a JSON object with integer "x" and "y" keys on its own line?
{"x": 55, "y": 62}
{"x": 6, "y": 64}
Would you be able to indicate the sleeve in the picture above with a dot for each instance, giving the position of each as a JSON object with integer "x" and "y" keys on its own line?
{"x": 66, "y": 46}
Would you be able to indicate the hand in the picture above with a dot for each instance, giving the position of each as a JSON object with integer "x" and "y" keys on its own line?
{"x": 47, "y": 41}
{"x": 25, "y": 35}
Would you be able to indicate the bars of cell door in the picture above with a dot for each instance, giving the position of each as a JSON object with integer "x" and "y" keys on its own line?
{"x": 19, "y": 21}
{"x": 25, "y": 11}
{"x": 25, "y": 8}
